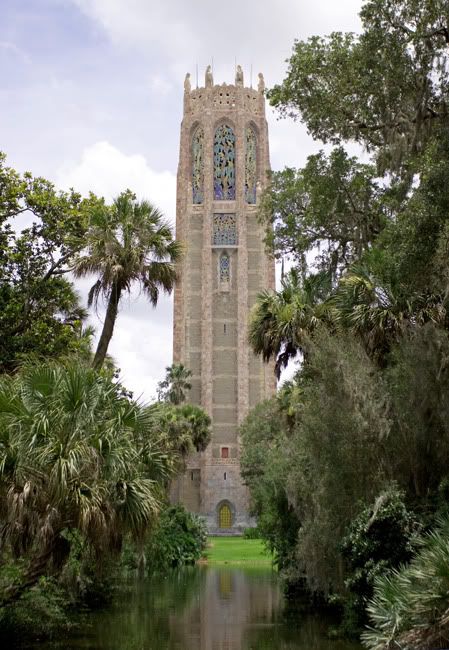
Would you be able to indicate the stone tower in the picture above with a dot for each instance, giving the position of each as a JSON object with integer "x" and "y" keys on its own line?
{"x": 222, "y": 171}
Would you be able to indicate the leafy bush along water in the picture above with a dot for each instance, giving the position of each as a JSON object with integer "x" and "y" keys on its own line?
{"x": 180, "y": 538}
{"x": 382, "y": 537}
{"x": 410, "y": 607}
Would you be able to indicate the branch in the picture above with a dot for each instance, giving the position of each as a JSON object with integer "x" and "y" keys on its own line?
{"x": 53, "y": 268}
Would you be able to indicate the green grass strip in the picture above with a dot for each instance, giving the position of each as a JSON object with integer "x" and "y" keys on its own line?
{"x": 236, "y": 550}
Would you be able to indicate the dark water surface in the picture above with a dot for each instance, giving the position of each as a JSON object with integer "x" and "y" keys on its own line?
{"x": 201, "y": 608}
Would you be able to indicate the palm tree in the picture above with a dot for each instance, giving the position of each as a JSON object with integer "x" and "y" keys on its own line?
{"x": 74, "y": 455}
{"x": 378, "y": 313}
{"x": 173, "y": 388}
{"x": 126, "y": 244}
{"x": 281, "y": 322}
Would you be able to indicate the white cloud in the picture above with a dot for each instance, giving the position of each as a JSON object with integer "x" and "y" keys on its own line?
{"x": 184, "y": 33}
{"x": 142, "y": 342}
{"x": 105, "y": 170}
{"x": 160, "y": 85}
{"x": 7, "y": 46}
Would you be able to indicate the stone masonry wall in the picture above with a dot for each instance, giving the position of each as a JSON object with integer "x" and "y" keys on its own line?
{"x": 210, "y": 316}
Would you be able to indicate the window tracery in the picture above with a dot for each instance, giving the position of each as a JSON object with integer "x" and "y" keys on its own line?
{"x": 250, "y": 165}
{"x": 198, "y": 166}
{"x": 224, "y": 231}
{"x": 224, "y": 163}
{"x": 225, "y": 267}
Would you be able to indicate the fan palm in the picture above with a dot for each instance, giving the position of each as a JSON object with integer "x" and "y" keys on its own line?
{"x": 282, "y": 321}
{"x": 378, "y": 313}
{"x": 74, "y": 455}
{"x": 128, "y": 244}
{"x": 173, "y": 388}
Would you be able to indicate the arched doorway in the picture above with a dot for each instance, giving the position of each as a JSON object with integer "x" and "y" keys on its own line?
{"x": 224, "y": 516}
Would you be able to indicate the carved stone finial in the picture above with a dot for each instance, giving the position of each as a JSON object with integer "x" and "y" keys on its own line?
{"x": 187, "y": 86}
{"x": 261, "y": 84}
{"x": 239, "y": 76}
{"x": 209, "y": 79}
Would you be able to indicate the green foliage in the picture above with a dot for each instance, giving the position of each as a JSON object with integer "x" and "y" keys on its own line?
{"x": 80, "y": 464}
{"x": 282, "y": 322}
{"x": 126, "y": 244}
{"x": 43, "y": 612}
{"x": 175, "y": 385}
{"x": 381, "y": 537}
{"x": 179, "y": 539}
{"x": 410, "y": 604}
{"x": 365, "y": 311}
{"x": 40, "y": 231}
{"x": 186, "y": 426}
{"x": 251, "y": 533}
{"x": 386, "y": 89}
{"x": 264, "y": 462}
{"x": 333, "y": 204}
{"x": 418, "y": 382}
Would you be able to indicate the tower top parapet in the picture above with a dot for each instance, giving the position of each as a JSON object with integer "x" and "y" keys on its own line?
{"x": 224, "y": 97}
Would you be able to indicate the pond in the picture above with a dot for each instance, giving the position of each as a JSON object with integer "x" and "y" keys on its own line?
{"x": 201, "y": 608}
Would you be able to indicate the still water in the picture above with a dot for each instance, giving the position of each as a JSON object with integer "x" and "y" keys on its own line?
{"x": 201, "y": 609}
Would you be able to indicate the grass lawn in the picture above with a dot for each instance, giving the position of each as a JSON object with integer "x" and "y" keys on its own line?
{"x": 236, "y": 550}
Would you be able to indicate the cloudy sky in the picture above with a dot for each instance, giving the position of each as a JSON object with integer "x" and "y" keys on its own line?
{"x": 91, "y": 98}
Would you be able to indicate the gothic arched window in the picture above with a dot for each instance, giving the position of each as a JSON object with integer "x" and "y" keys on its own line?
{"x": 224, "y": 163}
{"x": 225, "y": 267}
{"x": 198, "y": 166}
{"x": 250, "y": 165}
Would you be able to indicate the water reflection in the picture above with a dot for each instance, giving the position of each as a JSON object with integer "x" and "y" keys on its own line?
{"x": 201, "y": 609}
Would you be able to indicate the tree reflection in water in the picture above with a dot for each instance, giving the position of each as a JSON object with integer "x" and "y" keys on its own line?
{"x": 200, "y": 608}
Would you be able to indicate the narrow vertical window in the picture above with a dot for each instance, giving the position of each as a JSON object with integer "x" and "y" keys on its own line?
{"x": 198, "y": 166}
{"x": 225, "y": 268}
{"x": 250, "y": 165}
{"x": 224, "y": 476}
{"x": 224, "y": 163}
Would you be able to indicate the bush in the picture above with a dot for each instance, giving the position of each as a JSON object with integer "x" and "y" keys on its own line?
{"x": 41, "y": 612}
{"x": 252, "y": 533}
{"x": 410, "y": 607}
{"x": 381, "y": 537}
{"x": 180, "y": 538}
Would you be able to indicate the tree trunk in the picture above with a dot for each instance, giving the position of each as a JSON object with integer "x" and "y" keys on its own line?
{"x": 108, "y": 326}
{"x": 37, "y": 569}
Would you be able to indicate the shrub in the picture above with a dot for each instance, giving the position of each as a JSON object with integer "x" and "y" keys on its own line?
{"x": 180, "y": 538}
{"x": 381, "y": 537}
{"x": 410, "y": 607}
{"x": 252, "y": 533}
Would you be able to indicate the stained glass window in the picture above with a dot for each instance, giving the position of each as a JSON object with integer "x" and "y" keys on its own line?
{"x": 250, "y": 165}
{"x": 224, "y": 163}
{"x": 225, "y": 267}
{"x": 224, "y": 231}
{"x": 198, "y": 165}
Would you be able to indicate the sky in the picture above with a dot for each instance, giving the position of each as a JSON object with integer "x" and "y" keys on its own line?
{"x": 91, "y": 98}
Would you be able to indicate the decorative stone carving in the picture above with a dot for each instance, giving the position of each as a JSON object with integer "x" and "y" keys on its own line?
{"x": 239, "y": 76}
{"x": 261, "y": 84}
{"x": 224, "y": 231}
{"x": 187, "y": 86}
{"x": 209, "y": 79}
